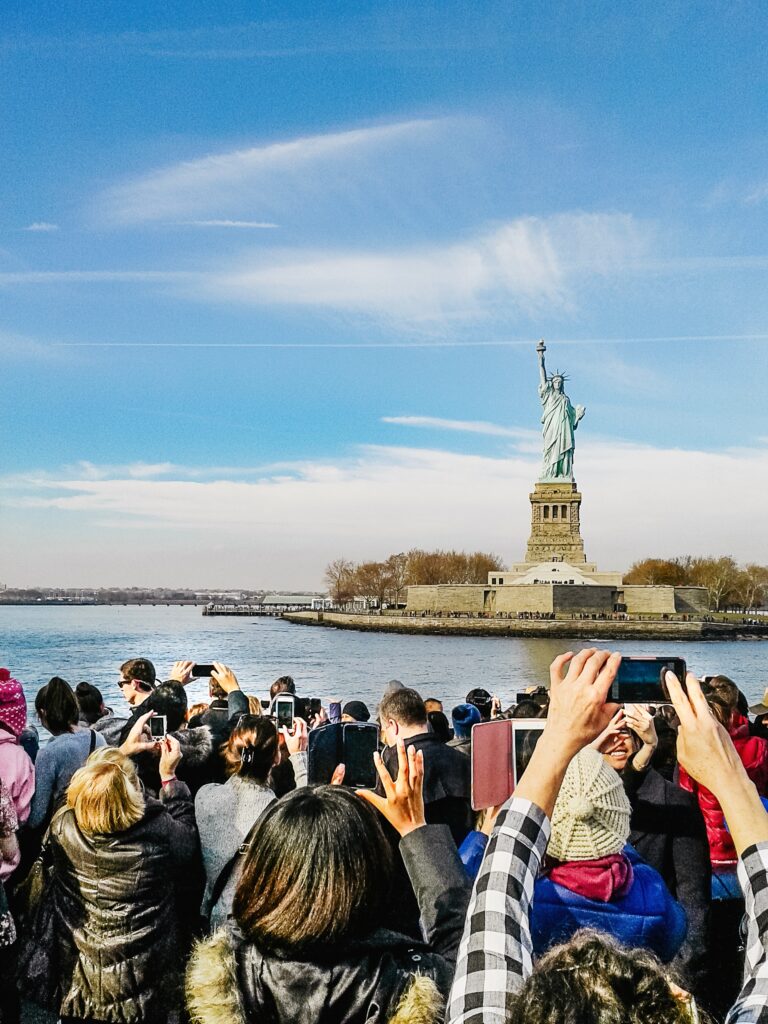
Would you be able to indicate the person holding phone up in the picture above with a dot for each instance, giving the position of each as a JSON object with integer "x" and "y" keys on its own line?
{"x": 305, "y": 946}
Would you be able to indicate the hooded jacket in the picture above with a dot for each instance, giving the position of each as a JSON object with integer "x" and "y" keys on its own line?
{"x": 111, "y": 951}
{"x": 385, "y": 978}
{"x": 753, "y": 752}
{"x": 18, "y": 775}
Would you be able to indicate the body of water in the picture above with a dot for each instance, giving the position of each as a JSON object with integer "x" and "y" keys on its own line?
{"x": 90, "y": 643}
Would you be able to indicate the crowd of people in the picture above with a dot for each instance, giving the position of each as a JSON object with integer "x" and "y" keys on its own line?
{"x": 167, "y": 861}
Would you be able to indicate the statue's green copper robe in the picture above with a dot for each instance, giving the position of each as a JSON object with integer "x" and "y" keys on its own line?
{"x": 559, "y": 421}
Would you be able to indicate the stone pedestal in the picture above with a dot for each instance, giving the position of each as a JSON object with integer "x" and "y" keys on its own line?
{"x": 555, "y": 524}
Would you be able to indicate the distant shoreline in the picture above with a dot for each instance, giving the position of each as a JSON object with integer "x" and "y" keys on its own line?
{"x": 579, "y": 629}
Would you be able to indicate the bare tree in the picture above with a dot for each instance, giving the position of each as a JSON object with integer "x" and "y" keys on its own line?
{"x": 339, "y": 575}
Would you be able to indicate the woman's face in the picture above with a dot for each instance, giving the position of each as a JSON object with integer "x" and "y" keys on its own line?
{"x": 618, "y": 749}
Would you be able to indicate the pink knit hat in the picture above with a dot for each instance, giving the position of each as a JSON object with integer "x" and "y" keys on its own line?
{"x": 13, "y": 705}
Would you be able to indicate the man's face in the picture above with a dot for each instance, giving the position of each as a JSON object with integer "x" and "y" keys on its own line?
{"x": 618, "y": 749}
{"x": 133, "y": 692}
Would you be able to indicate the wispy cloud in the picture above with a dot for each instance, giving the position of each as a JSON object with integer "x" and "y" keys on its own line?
{"x": 41, "y": 225}
{"x": 463, "y": 426}
{"x": 635, "y": 499}
{"x": 227, "y": 224}
{"x": 93, "y": 276}
{"x": 530, "y": 263}
{"x": 244, "y": 178}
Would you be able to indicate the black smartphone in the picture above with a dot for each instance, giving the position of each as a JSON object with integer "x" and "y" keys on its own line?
{"x": 284, "y": 711}
{"x": 315, "y": 706}
{"x": 351, "y": 744}
{"x": 641, "y": 680}
{"x": 201, "y": 671}
{"x": 361, "y": 741}
{"x": 158, "y": 727}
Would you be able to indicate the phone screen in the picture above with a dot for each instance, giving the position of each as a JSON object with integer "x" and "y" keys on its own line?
{"x": 360, "y": 743}
{"x": 284, "y": 712}
{"x": 158, "y": 725}
{"x": 524, "y": 742}
{"x": 202, "y": 671}
{"x": 641, "y": 680}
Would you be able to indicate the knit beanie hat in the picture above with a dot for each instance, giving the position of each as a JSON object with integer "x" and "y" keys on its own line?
{"x": 357, "y": 710}
{"x": 13, "y": 705}
{"x": 464, "y": 716}
{"x": 591, "y": 815}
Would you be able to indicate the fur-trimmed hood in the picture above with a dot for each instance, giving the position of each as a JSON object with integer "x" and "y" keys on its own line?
{"x": 215, "y": 993}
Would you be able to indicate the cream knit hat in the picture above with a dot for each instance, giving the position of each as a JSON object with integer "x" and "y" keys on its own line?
{"x": 591, "y": 815}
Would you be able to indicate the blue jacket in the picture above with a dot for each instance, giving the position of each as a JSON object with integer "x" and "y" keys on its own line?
{"x": 646, "y": 917}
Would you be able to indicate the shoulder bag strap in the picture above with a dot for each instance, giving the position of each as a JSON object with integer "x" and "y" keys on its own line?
{"x": 93, "y": 742}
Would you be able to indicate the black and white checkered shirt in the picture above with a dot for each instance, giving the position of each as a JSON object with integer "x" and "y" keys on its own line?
{"x": 496, "y": 952}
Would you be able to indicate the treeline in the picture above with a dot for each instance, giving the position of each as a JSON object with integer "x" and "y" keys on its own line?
{"x": 731, "y": 587}
{"x": 385, "y": 582}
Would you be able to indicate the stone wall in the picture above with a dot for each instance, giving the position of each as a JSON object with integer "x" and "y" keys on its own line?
{"x": 572, "y": 600}
{"x": 649, "y": 600}
{"x": 691, "y": 600}
{"x": 525, "y": 598}
{"x": 448, "y": 598}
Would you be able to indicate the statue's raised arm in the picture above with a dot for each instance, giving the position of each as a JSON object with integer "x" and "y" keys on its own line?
{"x": 559, "y": 421}
{"x": 541, "y": 348}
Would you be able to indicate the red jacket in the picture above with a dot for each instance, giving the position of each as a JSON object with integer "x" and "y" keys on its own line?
{"x": 753, "y": 752}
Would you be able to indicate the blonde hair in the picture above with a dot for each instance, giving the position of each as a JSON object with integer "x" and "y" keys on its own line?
{"x": 105, "y": 793}
{"x": 254, "y": 705}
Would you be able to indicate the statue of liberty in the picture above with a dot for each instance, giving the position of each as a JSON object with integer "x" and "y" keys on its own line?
{"x": 559, "y": 420}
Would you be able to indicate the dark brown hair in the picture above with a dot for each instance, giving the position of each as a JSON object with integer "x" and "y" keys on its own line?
{"x": 57, "y": 706}
{"x": 405, "y": 706}
{"x": 723, "y": 697}
{"x": 251, "y": 748}
{"x": 594, "y": 980}
{"x": 318, "y": 871}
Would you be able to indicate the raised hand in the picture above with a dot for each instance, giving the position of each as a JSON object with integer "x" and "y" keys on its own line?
{"x": 403, "y": 805}
{"x": 225, "y": 677}
{"x": 170, "y": 755}
{"x": 182, "y": 671}
{"x": 137, "y": 741}
{"x": 296, "y": 739}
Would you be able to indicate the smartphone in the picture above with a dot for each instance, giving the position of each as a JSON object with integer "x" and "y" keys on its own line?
{"x": 158, "y": 727}
{"x": 360, "y": 742}
{"x": 334, "y": 711}
{"x": 641, "y": 680}
{"x": 350, "y": 743}
{"x": 284, "y": 711}
{"x": 201, "y": 671}
{"x": 315, "y": 706}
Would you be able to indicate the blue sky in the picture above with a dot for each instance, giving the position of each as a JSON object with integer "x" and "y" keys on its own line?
{"x": 271, "y": 276}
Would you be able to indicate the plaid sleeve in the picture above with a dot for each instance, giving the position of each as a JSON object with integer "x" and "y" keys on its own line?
{"x": 495, "y": 955}
{"x": 752, "y": 1005}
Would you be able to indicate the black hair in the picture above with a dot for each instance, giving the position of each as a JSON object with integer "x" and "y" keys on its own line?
{"x": 320, "y": 851}
{"x": 482, "y": 701}
{"x": 251, "y": 748}
{"x": 440, "y": 725}
{"x": 169, "y": 699}
{"x": 90, "y": 702}
{"x": 56, "y": 705}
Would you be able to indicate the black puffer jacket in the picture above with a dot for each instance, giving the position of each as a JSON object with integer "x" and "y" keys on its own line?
{"x": 386, "y": 979}
{"x": 114, "y": 941}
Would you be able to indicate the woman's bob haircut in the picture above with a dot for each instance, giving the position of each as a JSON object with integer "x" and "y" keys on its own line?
{"x": 318, "y": 871}
{"x": 105, "y": 793}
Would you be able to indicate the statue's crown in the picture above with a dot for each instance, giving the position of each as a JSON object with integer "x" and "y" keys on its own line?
{"x": 559, "y": 373}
